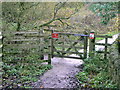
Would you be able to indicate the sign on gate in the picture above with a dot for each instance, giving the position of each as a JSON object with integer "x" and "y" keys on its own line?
{"x": 54, "y": 35}
{"x": 91, "y": 35}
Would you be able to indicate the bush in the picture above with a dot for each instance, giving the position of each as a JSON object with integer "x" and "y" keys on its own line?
{"x": 95, "y": 74}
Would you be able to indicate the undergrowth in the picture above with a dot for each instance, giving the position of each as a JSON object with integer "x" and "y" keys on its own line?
{"x": 95, "y": 74}
{"x": 21, "y": 70}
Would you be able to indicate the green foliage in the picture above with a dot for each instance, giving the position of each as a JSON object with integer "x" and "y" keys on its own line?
{"x": 105, "y": 10}
{"x": 23, "y": 68}
{"x": 23, "y": 15}
{"x": 82, "y": 76}
{"x": 32, "y": 15}
{"x": 95, "y": 74}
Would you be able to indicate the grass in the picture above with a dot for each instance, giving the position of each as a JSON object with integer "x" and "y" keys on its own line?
{"x": 109, "y": 34}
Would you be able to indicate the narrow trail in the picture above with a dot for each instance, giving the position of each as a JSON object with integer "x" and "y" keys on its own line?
{"x": 62, "y": 75}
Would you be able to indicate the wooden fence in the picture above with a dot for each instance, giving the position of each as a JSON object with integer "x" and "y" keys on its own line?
{"x": 22, "y": 43}
{"x": 92, "y": 43}
{"x": 70, "y": 43}
{"x": 27, "y": 42}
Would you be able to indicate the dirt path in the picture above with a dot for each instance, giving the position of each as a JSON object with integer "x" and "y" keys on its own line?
{"x": 62, "y": 75}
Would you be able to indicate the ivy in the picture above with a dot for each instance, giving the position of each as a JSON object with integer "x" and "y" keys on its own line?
{"x": 106, "y": 11}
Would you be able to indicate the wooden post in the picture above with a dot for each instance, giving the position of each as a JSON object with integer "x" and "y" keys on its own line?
{"x": 105, "y": 53}
{"x": 63, "y": 43}
{"x": 41, "y": 40}
{"x": 92, "y": 45}
{"x": 118, "y": 42}
{"x": 1, "y": 45}
{"x": 85, "y": 44}
{"x": 51, "y": 51}
{"x": 1, "y": 51}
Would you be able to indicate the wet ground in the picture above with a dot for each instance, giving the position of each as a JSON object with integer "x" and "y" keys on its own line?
{"x": 62, "y": 75}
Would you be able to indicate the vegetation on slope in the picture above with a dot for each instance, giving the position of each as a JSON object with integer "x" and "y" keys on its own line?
{"x": 95, "y": 74}
{"x": 17, "y": 16}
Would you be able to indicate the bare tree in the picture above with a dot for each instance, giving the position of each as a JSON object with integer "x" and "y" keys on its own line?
{"x": 57, "y": 8}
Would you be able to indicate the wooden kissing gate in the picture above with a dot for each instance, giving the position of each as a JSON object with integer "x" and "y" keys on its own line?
{"x": 69, "y": 45}
{"x": 53, "y": 43}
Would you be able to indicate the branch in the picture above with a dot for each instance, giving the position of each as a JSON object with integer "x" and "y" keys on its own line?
{"x": 60, "y": 19}
{"x": 65, "y": 23}
{"x": 58, "y": 6}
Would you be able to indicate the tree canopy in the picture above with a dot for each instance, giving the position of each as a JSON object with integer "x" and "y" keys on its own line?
{"x": 30, "y": 15}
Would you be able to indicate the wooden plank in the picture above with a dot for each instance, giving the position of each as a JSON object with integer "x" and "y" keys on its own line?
{"x": 103, "y": 44}
{"x": 25, "y": 40}
{"x": 62, "y": 33}
{"x": 20, "y": 52}
{"x": 101, "y": 52}
{"x": 67, "y": 46}
{"x": 27, "y": 36}
{"x": 103, "y": 36}
{"x": 22, "y": 44}
{"x": 69, "y": 40}
{"x": 68, "y": 52}
{"x": 37, "y": 36}
{"x": 23, "y": 47}
{"x": 68, "y": 57}
{"x": 27, "y": 32}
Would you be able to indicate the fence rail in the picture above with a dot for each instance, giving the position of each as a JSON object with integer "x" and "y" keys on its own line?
{"x": 23, "y": 42}
{"x": 92, "y": 44}
{"x": 44, "y": 42}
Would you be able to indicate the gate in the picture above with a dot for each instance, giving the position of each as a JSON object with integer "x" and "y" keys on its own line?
{"x": 69, "y": 45}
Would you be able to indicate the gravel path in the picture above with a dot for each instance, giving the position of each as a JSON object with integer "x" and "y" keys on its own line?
{"x": 62, "y": 75}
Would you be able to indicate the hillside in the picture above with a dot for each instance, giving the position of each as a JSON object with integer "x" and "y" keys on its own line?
{"x": 87, "y": 20}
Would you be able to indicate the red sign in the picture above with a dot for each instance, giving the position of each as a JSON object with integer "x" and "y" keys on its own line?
{"x": 54, "y": 35}
{"x": 91, "y": 35}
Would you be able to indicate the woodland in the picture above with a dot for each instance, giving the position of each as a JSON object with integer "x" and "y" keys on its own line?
{"x": 23, "y": 66}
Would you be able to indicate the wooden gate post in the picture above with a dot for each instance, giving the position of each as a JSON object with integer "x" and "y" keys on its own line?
{"x": 1, "y": 63}
{"x": 118, "y": 43}
{"x": 63, "y": 43}
{"x": 106, "y": 41}
{"x": 85, "y": 44}
{"x": 1, "y": 45}
{"x": 41, "y": 40}
{"x": 92, "y": 44}
{"x": 50, "y": 55}
{"x": 52, "y": 51}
